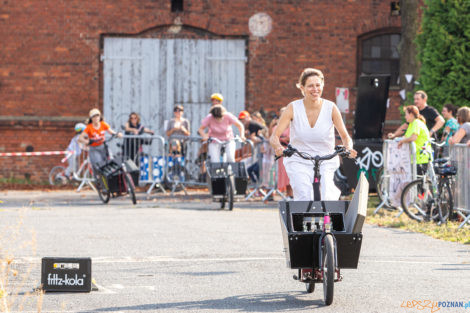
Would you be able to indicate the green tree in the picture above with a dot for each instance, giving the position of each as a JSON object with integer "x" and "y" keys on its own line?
{"x": 444, "y": 52}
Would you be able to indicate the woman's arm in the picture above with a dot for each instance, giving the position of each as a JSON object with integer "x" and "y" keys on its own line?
{"x": 202, "y": 133}
{"x": 241, "y": 129}
{"x": 83, "y": 138}
{"x": 457, "y": 136}
{"x": 284, "y": 122}
{"x": 113, "y": 132}
{"x": 185, "y": 130}
{"x": 148, "y": 131}
{"x": 412, "y": 138}
{"x": 445, "y": 134}
{"x": 343, "y": 133}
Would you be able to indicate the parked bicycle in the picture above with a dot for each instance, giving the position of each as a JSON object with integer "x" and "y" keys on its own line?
{"x": 112, "y": 178}
{"x": 429, "y": 198}
{"x": 83, "y": 175}
{"x": 316, "y": 240}
{"x": 222, "y": 177}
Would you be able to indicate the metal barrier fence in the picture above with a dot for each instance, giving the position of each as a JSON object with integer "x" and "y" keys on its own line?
{"x": 179, "y": 161}
{"x": 399, "y": 169}
{"x": 460, "y": 157}
{"x": 148, "y": 153}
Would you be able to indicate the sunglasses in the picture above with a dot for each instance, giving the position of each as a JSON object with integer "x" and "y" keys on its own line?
{"x": 178, "y": 110}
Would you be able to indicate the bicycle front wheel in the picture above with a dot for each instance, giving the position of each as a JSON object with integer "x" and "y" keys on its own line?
{"x": 57, "y": 176}
{"x": 102, "y": 188}
{"x": 446, "y": 202}
{"x": 418, "y": 202}
{"x": 130, "y": 187}
{"x": 328, "y": 269}
{"x": 230, "y": 193}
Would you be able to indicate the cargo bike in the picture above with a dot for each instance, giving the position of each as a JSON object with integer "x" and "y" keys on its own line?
{"x": 322, "y": 237}
{"x": 115, "y": 177}
{"x": 227, "y": 181}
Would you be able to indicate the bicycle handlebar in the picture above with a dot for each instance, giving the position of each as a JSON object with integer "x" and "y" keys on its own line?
{"x": 211, "y": 139}
{"x": 289, "y": 151}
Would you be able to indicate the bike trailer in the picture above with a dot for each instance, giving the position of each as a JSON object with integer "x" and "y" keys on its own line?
{"x": 302, "y": 229}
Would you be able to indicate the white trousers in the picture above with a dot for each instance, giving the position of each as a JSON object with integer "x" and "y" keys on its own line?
{"x": 301, "y": 179}
{"x": 214, "y": 152}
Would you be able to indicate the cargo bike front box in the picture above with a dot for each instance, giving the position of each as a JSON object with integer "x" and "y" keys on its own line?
{"x": 299, "y": 219}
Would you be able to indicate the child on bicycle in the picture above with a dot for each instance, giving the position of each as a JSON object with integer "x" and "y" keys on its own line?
{"x": 75, "y": 149}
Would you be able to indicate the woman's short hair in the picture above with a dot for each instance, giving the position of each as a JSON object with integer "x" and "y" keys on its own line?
{"x": 306, "y": 73}
{"x": 463, "y": 115}
{"x": 178, "y": 107}
{"x": 451, "y": 108}
{"x": 217, "y": 111}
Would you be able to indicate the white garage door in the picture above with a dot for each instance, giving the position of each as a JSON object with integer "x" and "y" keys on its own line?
{"x": 151, "y": 76}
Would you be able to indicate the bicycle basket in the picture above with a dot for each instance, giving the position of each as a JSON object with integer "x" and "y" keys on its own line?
{"x": 446, "y": 170}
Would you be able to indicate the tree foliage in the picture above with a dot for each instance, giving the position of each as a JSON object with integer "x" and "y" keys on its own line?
{"x": 444, "y": 52}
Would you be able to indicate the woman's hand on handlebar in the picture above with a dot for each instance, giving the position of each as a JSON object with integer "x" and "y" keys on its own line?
{"x": 352, "y": 153}
{"x": 279, "y": 151}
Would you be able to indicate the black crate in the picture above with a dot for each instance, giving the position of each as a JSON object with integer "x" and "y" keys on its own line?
{"x": 66, "y": 274}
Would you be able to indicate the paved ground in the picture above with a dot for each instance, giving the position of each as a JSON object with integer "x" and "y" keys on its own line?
{"x": 164, "y": 255}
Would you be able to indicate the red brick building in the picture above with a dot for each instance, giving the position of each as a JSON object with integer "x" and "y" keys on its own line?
{"x": 51, "y": 68}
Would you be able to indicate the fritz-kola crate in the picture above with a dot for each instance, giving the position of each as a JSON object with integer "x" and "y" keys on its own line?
{"x": 66, "y": 274}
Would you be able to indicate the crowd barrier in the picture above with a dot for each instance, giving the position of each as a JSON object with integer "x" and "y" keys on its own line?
{"x": 148, "y": 153}
{"x": 399, "y": 168}
{"x": 460, "y": 157}
{"x": 178, "y": 161}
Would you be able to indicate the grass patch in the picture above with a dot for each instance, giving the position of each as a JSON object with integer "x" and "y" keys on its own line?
{"x": 385, "y": 218}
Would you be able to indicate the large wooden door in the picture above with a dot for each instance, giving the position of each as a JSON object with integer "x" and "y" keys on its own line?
{"x": 151, "y": 76}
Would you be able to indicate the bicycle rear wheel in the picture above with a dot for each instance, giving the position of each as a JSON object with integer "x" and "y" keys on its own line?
{"x": 446, "y": 202}
{"x": 130, "y": 187}
{"x": 57, "y": 176}
{"x": 418, "y": 202}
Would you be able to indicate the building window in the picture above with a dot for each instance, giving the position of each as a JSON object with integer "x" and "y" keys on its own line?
{"x": 379, "y": 55}
{"x": 176, "y": 5}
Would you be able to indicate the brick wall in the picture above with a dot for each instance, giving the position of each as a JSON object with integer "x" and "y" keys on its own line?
{"x": 50, "y": 71}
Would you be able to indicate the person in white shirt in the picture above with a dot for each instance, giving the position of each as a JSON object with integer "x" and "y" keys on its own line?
{"x": 312, "y": 121}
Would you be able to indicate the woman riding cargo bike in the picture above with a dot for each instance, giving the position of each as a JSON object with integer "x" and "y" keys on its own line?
{"x": 221, "y": 150}
{"x": 111, "y": 174}
{"x": 315, "y": 233}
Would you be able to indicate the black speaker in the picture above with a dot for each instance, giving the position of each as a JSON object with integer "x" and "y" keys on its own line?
{"x": 371, "y": 106}
{"x": 66, "y": 274}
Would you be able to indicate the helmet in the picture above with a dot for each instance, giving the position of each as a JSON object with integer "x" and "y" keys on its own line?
{"x": 243, "y": 115}
{"x": 217, "y": 96}
{"x": 79, "y": 127}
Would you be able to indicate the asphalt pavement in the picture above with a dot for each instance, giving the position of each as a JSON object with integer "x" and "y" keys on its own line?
{"x": 184, "y": 254}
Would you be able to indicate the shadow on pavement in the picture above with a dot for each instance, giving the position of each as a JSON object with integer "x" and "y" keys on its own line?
{"x": 266, "y": 302}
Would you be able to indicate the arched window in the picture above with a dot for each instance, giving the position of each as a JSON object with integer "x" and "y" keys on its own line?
{"x": 378, "y": 54}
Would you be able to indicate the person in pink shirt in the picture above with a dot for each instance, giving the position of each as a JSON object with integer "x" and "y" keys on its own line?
{"x": 219, "y": 124}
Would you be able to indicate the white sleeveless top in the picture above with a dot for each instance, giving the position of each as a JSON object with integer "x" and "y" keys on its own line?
{"x": 319, "y": 140}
